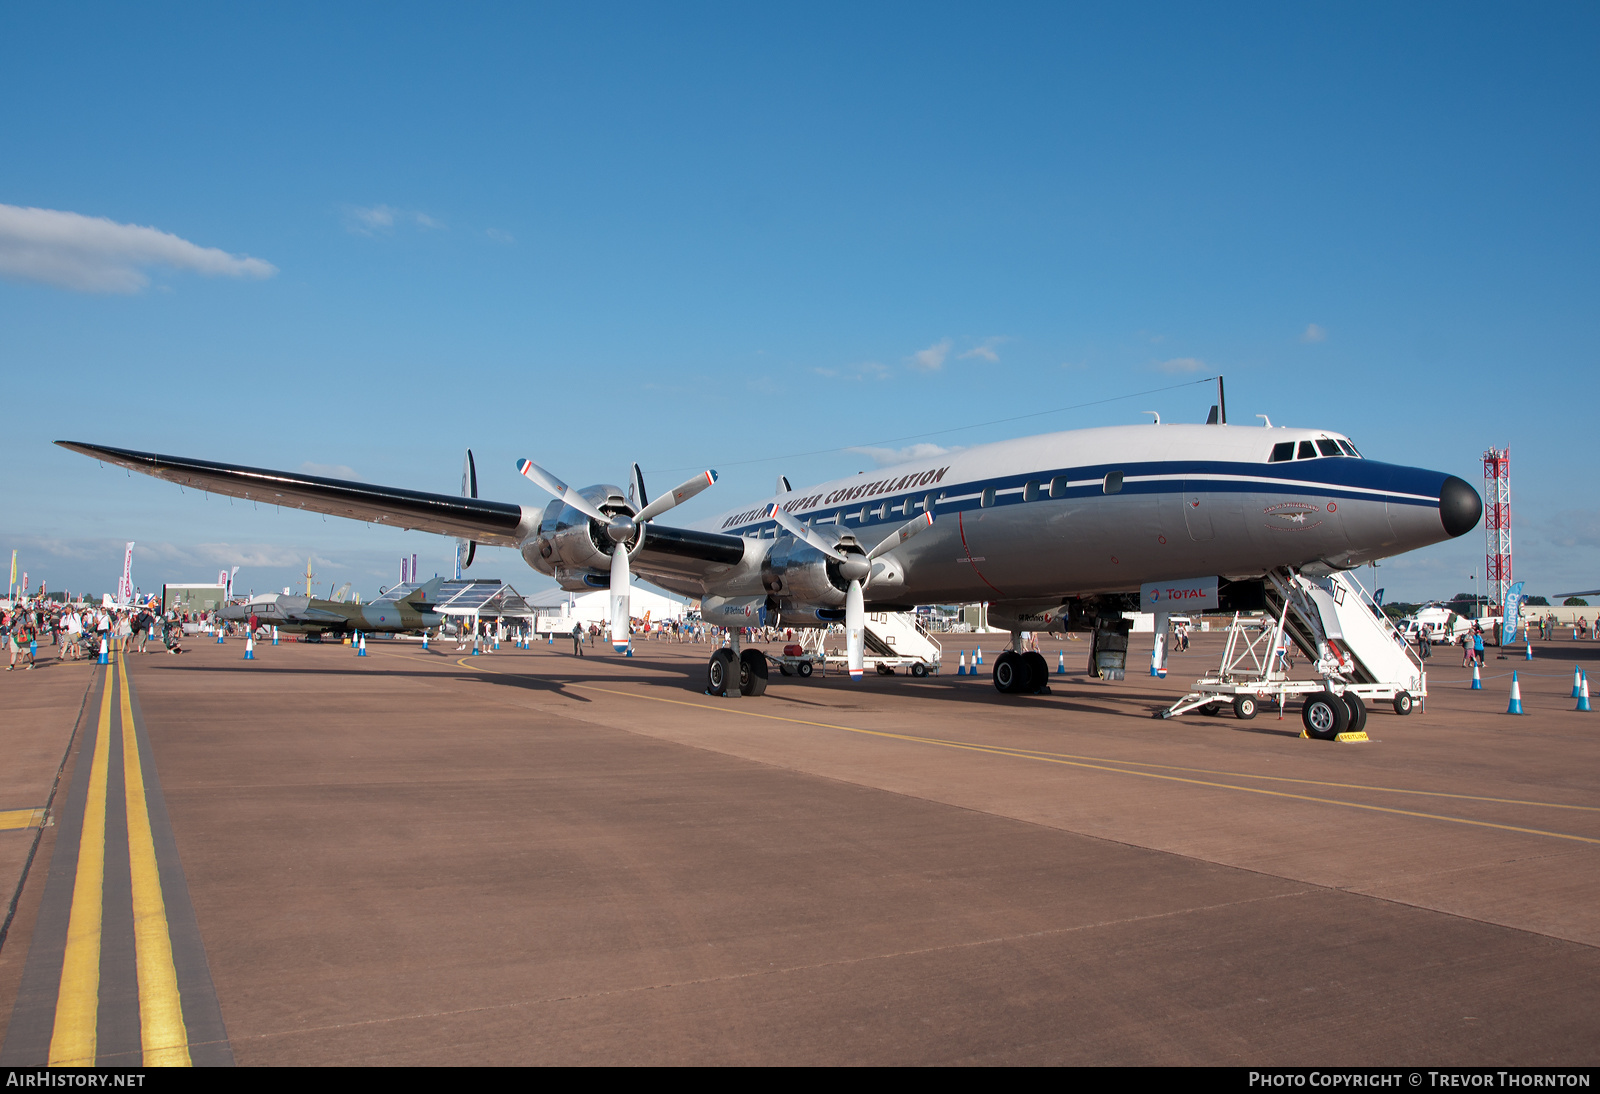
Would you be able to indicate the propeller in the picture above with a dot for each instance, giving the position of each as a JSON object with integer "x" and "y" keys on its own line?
{"x": 857, "y": 570}
{"x": 621, "y": 528}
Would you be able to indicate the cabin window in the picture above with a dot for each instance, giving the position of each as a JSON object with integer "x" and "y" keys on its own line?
{"x": 1030, "y": 491}
{"x": 1328, "y": 448}
{"x": 879, "y": 512}
{"x": 1058, "y": 486}
{"x": 927, "y": 504}
{"x": 1308, "y": 451}
{"x": 987, "y": 498}
{"x": 1282, "y": 451}
{"x": 1113, "y": 483}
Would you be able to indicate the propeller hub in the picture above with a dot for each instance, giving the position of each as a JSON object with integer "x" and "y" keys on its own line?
{"x": 621, "y": 528}
{"x": 856, "y": 569}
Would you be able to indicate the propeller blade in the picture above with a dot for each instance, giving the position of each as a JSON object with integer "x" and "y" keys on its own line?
{"x": 677, "y": 496}
{"x": 552, "y": 485}
{"x": 900, "y": 535}
{"x": 855, "y": 622}
{"x": 805, "y": 535}
{"x": 620, "y": 599}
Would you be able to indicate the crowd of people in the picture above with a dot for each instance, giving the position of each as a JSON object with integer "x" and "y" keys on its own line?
{"x": 75, "y": 632}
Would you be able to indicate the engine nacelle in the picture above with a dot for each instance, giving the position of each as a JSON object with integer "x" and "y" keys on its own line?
{"x": 735, "y": 611}
{"x": 568, "y": 542}
{"x": 797, "y": 574}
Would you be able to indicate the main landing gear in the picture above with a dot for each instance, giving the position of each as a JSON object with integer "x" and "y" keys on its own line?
{"x": 1022, "y": 673}
{"x": 752, "y": 672}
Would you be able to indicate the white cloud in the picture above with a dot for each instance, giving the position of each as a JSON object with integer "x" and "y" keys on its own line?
{"x": 988, "y": 350}
{"x": 329, "y": 470}
{"x": 1572, "y": 528}
{"x": 888, "y": 457}
{"x": 1181, "y": 364}
{"x": 1314, "y": 333}
{"x": 94, "y": 254}
{"x": 371, "y": 220}
{"x": 932, "y": 358}
{"x": 496, "y": 235}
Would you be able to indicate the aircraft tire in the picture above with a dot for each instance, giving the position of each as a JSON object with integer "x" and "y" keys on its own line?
{"x": 1010, "y": 673}
{"x": 718, "y": 671}
{"x": 803, "y": 668}
{"x": 1038, "y": 671}
{"x": 1244, "y": 707}
{"x": 1358, "y": 712}
{"x": 1403, "y": 703}
{"x": 752, "y": 673}
{"x": 919, "y": 669}
{"x": 1324, "y": 715}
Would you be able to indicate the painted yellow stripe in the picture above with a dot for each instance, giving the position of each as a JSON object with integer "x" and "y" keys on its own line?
{"x": 21, "y": 818}
{"x": 73, "y": 1040}
{"x": 1041, "y": 757}
{"x": 164, "y": 1036}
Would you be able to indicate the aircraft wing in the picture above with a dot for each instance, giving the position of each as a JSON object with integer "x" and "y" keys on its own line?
{"x": 493, "y": 522}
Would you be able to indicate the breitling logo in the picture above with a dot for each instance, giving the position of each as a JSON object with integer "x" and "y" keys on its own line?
{"x": 1292, "y": 515}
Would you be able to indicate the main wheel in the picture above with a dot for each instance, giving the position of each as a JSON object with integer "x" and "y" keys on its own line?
{"x": 1324, "y": 715}
{"x": 803, "y": 668}
{"x": 1244, "y": 707}
{"x": 1403, "y": 703}
{"x": 718, "y": 672}
{"x": 1038, "y": 670}
{"x": 1358, "y": 712}
{"x": 752, "y": 672}
{"x": 1010, "y": 673}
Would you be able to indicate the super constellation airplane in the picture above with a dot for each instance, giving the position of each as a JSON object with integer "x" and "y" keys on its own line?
{"x": 1057, "y": 532}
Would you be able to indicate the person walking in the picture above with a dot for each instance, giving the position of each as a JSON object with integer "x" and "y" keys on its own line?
{"x": 577, "y": 639}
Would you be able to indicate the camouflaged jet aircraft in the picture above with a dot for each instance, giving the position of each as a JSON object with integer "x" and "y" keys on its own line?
{"x": 314, "y": 618}
{"x": 1056, "y": 532}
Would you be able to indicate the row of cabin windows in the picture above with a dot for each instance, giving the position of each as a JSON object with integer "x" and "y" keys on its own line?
{"x": 1031, "y": 491}
{"x": 1309, "y": 450}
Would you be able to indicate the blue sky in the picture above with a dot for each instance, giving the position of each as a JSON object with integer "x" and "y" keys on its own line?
{"x": 710, "y": 235}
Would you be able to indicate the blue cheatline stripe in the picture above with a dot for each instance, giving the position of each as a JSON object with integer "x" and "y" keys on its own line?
{"x": 1339, "y": 477}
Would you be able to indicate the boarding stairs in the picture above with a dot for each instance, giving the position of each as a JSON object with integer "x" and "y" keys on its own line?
{"x": 1347, "y": 639}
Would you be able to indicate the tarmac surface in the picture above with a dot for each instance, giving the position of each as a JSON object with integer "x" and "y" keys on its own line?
{"x": 425, "y": 857}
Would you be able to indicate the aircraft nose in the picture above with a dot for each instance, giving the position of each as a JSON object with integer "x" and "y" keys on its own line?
{"x": 1459, "y": 506}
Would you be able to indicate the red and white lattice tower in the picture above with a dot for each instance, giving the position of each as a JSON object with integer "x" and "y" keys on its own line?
{"x": 1497, "y": 524}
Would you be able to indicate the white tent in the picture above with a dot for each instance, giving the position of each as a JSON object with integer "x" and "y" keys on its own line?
{"x": 595, "y": 606}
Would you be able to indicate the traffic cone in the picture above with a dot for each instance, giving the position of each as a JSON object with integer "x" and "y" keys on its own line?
{"x": 1530, "y": 651}
{"x": 1583, "y": 699}
{"x": 219, "y": 636}
{"x": 977, "y": 657}
{"x": 1477, "y": 681}
{"x": 102, "y": 649}
{"x": 629, "y": 651}
{"x": 1061, "y": 662}
{"x": 362, "y": 652}
{"x": 551, "y": 640}
{"x": 962, "y": 671}
{"x": 1577, "y": 680}
{"x": 1516, "y": 696}
{"x": 274, "y": 636}
{"x": 474, "y": 644}
{"x": 424, "y": 638}
{"x": 250, "y": 648}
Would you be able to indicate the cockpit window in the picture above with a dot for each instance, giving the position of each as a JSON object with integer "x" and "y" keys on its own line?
{"x": 1308, "y": 451}
{"x": 1349, "y": 449}
{"x": 1282, "y": 451}
{"x": 1329, "y": 448}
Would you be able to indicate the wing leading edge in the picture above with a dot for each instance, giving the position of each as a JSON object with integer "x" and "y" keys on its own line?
{"x": 494, "y": 522}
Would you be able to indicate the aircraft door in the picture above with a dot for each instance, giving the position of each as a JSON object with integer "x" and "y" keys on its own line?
{"x": 1197, "y": 506}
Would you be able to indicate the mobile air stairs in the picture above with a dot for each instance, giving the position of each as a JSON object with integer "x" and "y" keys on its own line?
{"x": 892, "y": 641}
{"x": 1357, "y": 653}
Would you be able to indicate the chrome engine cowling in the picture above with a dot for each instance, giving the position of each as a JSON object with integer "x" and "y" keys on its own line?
{"x": 571, "y": 543}
{"x": 796, "y": 574}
